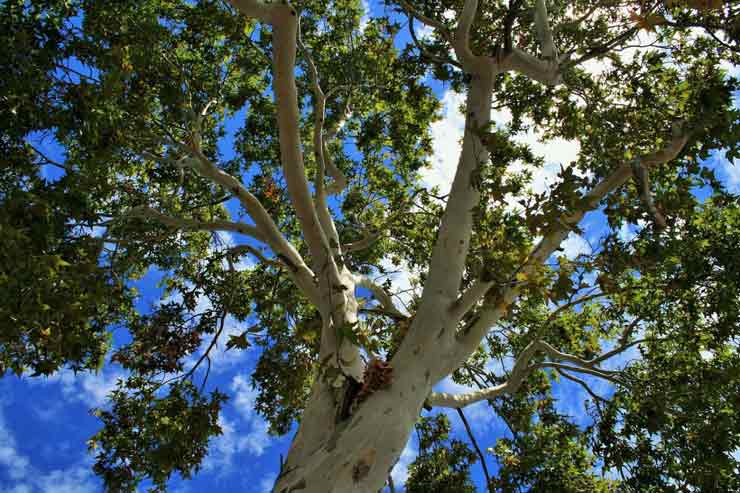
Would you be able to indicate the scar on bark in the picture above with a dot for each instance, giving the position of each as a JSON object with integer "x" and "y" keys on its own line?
{"x": 363, "y": 465}
{"x": 300, "y": 485}
{"x": 351, "y": 391}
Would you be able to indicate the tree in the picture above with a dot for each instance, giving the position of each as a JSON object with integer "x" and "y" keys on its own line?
{"x": 322, "y": 194}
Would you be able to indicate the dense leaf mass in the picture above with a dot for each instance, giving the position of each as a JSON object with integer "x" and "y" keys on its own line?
{"x": 142, "y": 137}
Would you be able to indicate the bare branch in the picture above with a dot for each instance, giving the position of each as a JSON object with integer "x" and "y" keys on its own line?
{"x": 322, "y": 208}
{"x": 477, "y": 448}
{"x": 606, "y": 375}
{"x": 542, "y": 22}
{"x": 582, "y": 383}
{"x": 434, "y": 23}
{"x": 361, "y": 244}
{"x": 522, "y": 368}
{"x": 240, "y": 250}
{"x": 371, "y": 237}
{"x": 381, "y": 295}
{"x": 469, "y": 298}
{"x": 471, "y": 336}
{"x": 254, "y": 8}
{"x": 423, "y": 50}
{"x": 518, "y": 373}
{"x": 50, "y": 161}
{"x": 193, "y": 225}
{"x": 642, "y": 179}
{"x": 547, "y": 72}
{"x": 285, "y": 34}
{"x": 462, "y": 33}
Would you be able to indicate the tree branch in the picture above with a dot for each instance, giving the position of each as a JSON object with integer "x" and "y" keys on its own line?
{"x": 193, "y": 225}
{"x": 381, "y": 295}
{"x": 462, "y": 33}
{"x": 434, "y": 23}
{"x": 590, "y": 371}
{"x": 471, "y": 336}
{"x": 322, "y": 208}
{"x": 522, "y": 368}
{"x": 518, "y": 373}
{"x": 477, "y": 448}
{"x": 542, "y": 22}
{"x": 240, "y": 250}
{"x": 254, "y": 8}
{"x": 582, "y": 383}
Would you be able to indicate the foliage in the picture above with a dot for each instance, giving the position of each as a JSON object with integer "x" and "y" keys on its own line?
{"x": 103, "y": 105}
{"x": 443, "y": 464}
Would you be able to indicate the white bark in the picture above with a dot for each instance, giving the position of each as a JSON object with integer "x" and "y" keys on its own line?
{"x": 338, "y": 450}
{"x": 542, "y": 23}
{"x": 381, "y": 295}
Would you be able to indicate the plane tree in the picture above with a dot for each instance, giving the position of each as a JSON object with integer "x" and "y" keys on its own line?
{"x": 268, "y": 159}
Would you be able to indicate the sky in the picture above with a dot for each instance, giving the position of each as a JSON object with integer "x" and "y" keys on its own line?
{"x": 45, "y": 422}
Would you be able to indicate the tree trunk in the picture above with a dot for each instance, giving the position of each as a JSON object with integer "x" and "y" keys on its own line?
{"x": 360, "y": 451}
{"x": 335, "y": 454}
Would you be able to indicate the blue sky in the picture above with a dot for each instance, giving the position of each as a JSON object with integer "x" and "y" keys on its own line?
{"x": 45, "y": 422}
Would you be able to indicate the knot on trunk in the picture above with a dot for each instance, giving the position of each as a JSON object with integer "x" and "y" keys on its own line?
{"x": 363, "y": 465}
{"x": 378, "y": 375}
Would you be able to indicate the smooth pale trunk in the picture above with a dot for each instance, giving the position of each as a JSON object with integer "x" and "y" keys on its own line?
{"x": 356, "y": 455}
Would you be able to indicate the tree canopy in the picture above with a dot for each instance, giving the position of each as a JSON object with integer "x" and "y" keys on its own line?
{"x": 269, "y": 160}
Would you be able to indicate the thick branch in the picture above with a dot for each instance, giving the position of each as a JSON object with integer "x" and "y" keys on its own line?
{"x": 462, "y": 33}
{"x": 544, "y": 71}
{"x": 254, "y": 8}
{"x": 285, "y": 31}
{"x": 544, "y": 33}
{"x": 518, "y": 373}
{"x": 473, "y": 334}
{"x": 381, "y": 295}
{"x": 193, "y": 225}
{"x": 322, "y": 208}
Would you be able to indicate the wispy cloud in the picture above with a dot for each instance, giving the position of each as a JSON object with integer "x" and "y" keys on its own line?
{"x": 91, "y": 389}
{"x": 247, "y": 435}
{"x": 447, "y": 134}
{"x": 25, "y": 478}
{"x": 400, "y": 472}
{"x": 267, "y": 482}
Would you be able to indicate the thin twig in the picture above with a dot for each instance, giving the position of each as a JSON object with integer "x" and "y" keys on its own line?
{"x": 477, "y": 448}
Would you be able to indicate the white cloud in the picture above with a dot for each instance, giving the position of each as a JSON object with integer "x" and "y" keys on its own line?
{"x": 365, "y": 19}
{"x": 628, "y": 231}
{"x": 16, "y": 465}
{"x": 446, "y": 143}
{"x": 232, "y": 442}
{"x": 575, "y": 245}
{"x": 728, "y": 171}
{"x": 91, "y": 389}
{"x": 25, "y": 478}
{"x": 400, "y": 472}
{"x": 447, "y": 134}
{"x": 76, "y": 479}
{"x": 247, "y": 435}
{"x": 244, "y": 397}
{"x": 267, "y": 482}
{"x": 423, "y": 31}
